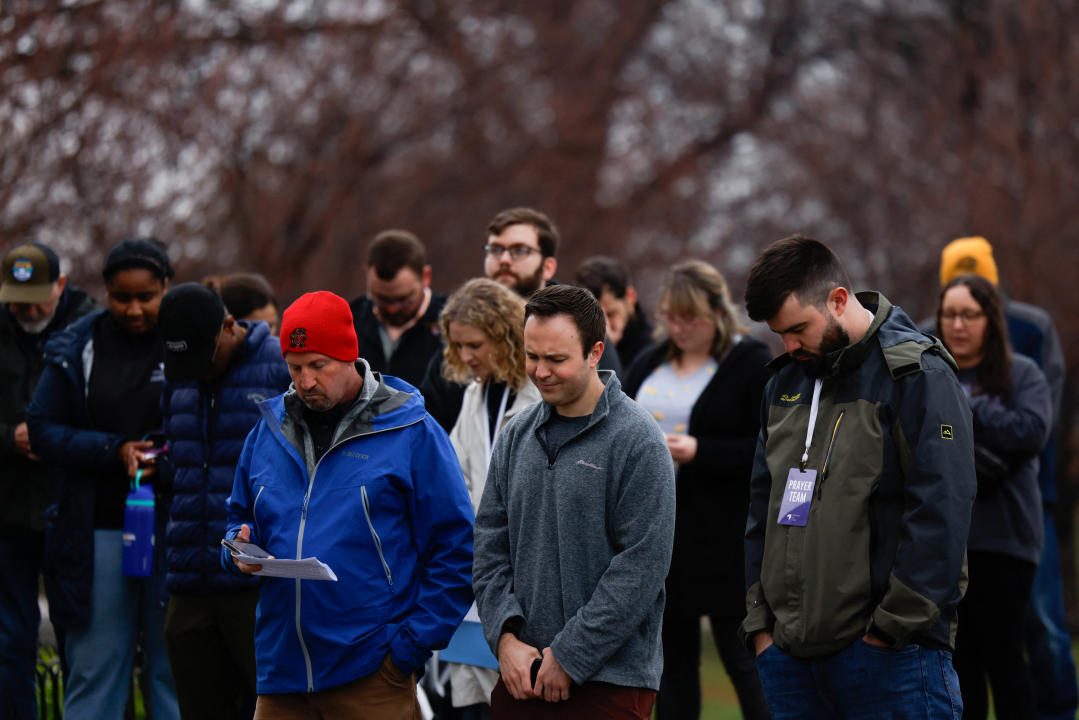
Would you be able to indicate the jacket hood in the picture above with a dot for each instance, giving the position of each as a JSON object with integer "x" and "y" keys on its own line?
{"x": 384, "y": 402}
{"x": 890, "y": 327}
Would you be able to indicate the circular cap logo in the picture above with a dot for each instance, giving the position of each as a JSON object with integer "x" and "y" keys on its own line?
{"x": 22, "y": 270}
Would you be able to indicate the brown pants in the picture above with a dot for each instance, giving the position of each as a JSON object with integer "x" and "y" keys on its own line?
{"x": 593, "y": 700}
{"x": 385, "y": 694}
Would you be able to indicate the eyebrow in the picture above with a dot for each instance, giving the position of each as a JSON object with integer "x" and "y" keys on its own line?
{"x": 791, "y": 329}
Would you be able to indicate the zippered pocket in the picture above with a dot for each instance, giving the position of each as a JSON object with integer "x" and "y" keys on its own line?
{"x": 374, "y": 536}
{"x": 828, "y": 455}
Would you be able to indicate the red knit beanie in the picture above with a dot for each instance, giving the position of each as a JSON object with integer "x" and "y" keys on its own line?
{"x": 320, "y": 322}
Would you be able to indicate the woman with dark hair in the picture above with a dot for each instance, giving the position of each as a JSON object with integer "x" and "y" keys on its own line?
{"x": 247, "y": 296}
{"x": 97, "y": 401}
{"x": 703, "y": 383}
{"x": 483, "y": 323}
{"x": 1009, "y": 398}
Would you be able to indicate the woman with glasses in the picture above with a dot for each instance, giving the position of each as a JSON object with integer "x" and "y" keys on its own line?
{"x": 703, "y": 383}
{"x": 1009, "y": 398}
{"x": 483, "y": 323}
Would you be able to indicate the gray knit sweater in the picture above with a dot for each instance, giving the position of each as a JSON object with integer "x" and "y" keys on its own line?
{"x": 579, "y": 548}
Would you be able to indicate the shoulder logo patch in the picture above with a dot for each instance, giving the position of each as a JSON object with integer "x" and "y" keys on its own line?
{"x": 789, "y": 398}
{"x": 946, "y": 432}
{"x": 297, "y": 338}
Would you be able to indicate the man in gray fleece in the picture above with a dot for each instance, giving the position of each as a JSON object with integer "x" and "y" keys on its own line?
{"x": 574, "y": 532}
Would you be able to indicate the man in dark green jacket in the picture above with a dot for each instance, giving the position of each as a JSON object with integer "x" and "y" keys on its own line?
{"x": 37, "y": 303}
{"x": 860, "y": 500}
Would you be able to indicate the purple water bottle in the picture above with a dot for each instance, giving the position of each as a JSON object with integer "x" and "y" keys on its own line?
{"x": 138, "y": 558}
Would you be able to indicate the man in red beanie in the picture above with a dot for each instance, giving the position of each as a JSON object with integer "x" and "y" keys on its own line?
{"x": 348, "y": 467}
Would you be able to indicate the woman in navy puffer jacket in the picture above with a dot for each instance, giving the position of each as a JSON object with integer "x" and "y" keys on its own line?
{"x": 209, "y": 627}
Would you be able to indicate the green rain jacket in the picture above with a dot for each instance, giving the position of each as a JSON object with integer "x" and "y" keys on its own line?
{"x": 884, "y": 547}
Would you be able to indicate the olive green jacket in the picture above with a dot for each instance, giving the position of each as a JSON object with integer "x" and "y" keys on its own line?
{"x": 884, "y": 547}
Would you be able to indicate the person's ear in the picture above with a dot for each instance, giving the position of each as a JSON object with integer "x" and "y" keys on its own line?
{"x": 837, "y": 301}
{"x": 550, "y": 265}
{"x": 425, "y": 276}
{"x": 595, "y": 354}
{"x": 631, "y": 298}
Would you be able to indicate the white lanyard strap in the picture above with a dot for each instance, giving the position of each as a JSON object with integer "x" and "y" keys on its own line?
{"x": 813, "y": 409}
{"x": 487, "y": 434}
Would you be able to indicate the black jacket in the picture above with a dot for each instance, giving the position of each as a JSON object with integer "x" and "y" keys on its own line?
{"x": 414, "y": 349}
{"x": 707, "y": 570}
{"x": 636, "y": 338}
{"x": 27, "y": 486}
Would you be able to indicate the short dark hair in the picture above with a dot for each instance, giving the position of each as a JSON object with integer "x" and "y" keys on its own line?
{"x": 795, "y": 265}
{"x": 243, "y": 293}
{"x": 392, "y": 250}
{"x": 599, "y": 272}
{"x": 994, "y": 371}
{"x": 578, "y": 303}
{"x": 546, "y": 231}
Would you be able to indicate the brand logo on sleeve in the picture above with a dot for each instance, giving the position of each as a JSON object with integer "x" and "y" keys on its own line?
{"x": 785, "y": 398}
{"x": 946, "y": 432}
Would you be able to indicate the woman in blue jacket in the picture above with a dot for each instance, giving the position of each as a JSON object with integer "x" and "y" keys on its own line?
{"x": 97, "y": 399}
{"x": 1009, "y": 398}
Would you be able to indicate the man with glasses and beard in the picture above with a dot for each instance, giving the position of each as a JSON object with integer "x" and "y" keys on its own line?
{"x": 397, "y": 322}
{"x": 860, "y": 500}
{"x": 520, "y": 254}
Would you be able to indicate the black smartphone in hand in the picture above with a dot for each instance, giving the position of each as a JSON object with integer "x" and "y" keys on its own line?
{"x": 242, "y": 548}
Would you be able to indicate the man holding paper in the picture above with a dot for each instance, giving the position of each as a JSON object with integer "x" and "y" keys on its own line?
{"x": 348, "y": 467}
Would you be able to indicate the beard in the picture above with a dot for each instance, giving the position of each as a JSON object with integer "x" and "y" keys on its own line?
{"x": 523, "y": 285}
{"x": 34, "y": 328}
{"x": 815, "y": 363}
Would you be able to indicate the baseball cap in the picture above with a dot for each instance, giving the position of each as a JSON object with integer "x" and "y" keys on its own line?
{"x": 29, "y": 272}
{"x": 190, "y": 319}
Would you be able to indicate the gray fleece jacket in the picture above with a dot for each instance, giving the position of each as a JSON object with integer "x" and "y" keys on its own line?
{"x": 579, "y": 548}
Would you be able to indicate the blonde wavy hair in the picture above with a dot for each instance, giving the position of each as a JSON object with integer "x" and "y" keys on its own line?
{"x": 497, "y": 312}
{"x": 695, "y": 289}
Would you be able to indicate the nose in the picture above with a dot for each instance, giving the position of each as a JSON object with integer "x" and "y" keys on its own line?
{"x": 134, "y": 308}
{"x": 542, "y": 371}
{"x": 308, "y": 380}
{"x": 790, "y": 344}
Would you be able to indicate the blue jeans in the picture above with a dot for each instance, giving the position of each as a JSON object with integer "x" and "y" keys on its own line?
{"x": 1052, "y": 669}
{"x": 100, "y": 657}
{"x": 862, "y": 681}
{"x": 20, "y": 559}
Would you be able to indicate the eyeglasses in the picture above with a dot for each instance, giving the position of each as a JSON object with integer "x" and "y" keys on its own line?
{"x": 966, "y": 317}
{"x": 517, "y": 252}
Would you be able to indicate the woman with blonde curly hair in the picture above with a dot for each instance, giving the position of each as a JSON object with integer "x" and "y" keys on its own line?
{"x": 483, "y": 323}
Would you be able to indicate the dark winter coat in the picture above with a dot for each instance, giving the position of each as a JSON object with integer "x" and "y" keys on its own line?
{"x": 206, "y": 424}
{"x": 27, "y": 486}
{"x": 62, "y": 432}
{"x": 708, "y": 570}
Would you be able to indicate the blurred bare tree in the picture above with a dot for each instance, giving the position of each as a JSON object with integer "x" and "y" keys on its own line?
{"x": 279, "y": 135}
